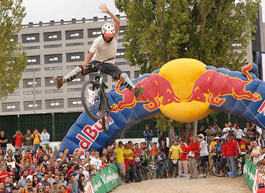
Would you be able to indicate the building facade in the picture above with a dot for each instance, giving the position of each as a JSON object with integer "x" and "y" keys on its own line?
{"x": 54, "y": 49}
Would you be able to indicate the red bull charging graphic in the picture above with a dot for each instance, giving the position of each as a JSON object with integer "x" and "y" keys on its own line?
{"x": 183, "y": 89}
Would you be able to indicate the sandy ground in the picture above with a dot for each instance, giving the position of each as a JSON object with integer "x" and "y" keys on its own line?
{"x": 180, "y": 185}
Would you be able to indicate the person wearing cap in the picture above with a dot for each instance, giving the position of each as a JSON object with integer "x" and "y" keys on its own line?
{"x": 204, "y": 154}
{"x": 86, "y": 171}
{"x": 54, "y": 188}
{"x": 103, "y": 50}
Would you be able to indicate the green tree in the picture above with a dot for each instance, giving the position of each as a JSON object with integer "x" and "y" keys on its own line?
{"x": 12, "y": 59}
{"x": 208, "y": 30}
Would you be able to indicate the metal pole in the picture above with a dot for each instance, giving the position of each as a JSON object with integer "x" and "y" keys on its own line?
{"x": 34, "y": 93}
{"x": 53, "y": 127}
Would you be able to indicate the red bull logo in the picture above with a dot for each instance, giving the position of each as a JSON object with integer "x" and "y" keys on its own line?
{"x": 217, "y": 85}
{"x": 158, "y": 91}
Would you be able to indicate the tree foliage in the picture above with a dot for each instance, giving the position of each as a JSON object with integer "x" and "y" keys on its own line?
{"x": 216, "y": 32}
{"x": 12, "y": 59}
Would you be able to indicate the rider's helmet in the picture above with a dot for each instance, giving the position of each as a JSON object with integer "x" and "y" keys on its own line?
{"x": 261, "y": 185}
{"x": 108, "y": 31}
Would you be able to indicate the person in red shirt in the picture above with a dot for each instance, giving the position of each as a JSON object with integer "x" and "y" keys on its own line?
{"x": 4, "y": 174}
{"x": 242, "y": 145}
{"x": 230, "y": 151}
{"x": 18, "y": 137}
{"x": 68, "y": 187}
{"x": 193, "y": 151}
{"x": 183, "y": 164}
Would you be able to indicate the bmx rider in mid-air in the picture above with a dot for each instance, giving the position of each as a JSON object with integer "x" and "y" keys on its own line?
{"x": 103, "y": 50}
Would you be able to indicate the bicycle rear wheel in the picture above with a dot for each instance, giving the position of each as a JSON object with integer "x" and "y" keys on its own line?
{"x": 93, "y": 99}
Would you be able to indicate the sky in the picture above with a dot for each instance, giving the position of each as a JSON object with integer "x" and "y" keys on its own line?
{"x": 46, "y": 10}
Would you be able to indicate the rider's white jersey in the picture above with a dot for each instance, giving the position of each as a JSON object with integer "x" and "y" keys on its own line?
{"x": 104, "y": 51}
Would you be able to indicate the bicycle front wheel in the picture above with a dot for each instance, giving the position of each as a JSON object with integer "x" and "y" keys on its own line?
{"x": 93, "y": 99}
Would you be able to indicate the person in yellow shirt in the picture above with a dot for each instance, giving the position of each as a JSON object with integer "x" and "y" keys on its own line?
{"x": 120, "y": 160}
{"x": 212, "y": 153}
{"x": 36, "y": 140}
{"x": 174, "y": 155}
{"x": 129, "y": 163}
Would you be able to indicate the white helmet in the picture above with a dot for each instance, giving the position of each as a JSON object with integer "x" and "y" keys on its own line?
{"x": 108, "y": 30}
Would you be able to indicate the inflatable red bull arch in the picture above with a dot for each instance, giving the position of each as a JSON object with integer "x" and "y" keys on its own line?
{"x": 183, "y": 89}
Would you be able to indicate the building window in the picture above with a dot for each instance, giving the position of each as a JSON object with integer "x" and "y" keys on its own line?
{"x": 122, "y": 30}
{"x": 30, "y": 47}
{"x": 53, "y": 68}
{"x": 74, "y": 44}
{"x": 28, "y": 83}
{"x": 33, "y": 60}
{"x": 30, "y": 38}
{"x": 51, "y": 91}
{"x": 54, "y": 58}
{"x": 54, "y": 104}
{"x": 74, "y": 57}
{"x": 74, "y": 102}
{"x": 73, "y": 89}
{"x": 31, "y": 92}
{"x": 52, "y": 36}
{"x": 122, "y": 63}
{"x": 14, "y": 94}
{"x": 32, "y": 70}
{"x": 121, "y": 40}
{"x": 120, "y": 53}
{"x": 74, "y": 34}
{"x": 94, "y": 32}
{"x": 53, "y": 46}
{"x": 136, "y": 74}
{"x": 90, "y": 43}
{"x": 71, "y": 67}
{"x": 9, "y": 107}
{"x": 29, "y": 105}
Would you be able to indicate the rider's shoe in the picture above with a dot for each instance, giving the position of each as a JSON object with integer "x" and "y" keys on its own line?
{"x": 138, "y": 92}
{"x": 58, "y": 82}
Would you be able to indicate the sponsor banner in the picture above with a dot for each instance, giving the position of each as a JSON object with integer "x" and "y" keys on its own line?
{"x": 106, "y": 180}
{"x": 88, "y": 188}
{"x": 259, "y": 177}
{"x": 249, "y": 172}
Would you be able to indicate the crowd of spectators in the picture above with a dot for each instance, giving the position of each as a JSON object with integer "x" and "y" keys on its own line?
{"x": 34, "y": 167}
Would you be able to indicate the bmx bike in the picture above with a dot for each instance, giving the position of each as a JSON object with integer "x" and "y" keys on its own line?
{"x": 95, "y": 99}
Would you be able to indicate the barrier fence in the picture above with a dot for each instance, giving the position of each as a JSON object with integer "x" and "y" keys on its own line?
{"x": 104, "y": 181}
{"x": 253, "y": 175}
